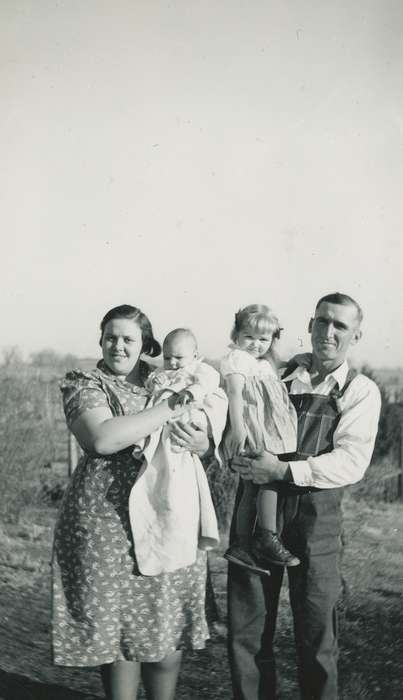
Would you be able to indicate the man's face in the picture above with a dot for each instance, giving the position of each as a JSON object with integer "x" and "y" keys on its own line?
{"x": 334, "y": 328}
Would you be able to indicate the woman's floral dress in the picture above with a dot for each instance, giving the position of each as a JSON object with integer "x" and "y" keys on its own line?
{"x": 103, "y": 608}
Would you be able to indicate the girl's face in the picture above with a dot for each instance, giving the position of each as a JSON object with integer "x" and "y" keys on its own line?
{"x": 255, "y": 342}
{"x": 121, "y": 345}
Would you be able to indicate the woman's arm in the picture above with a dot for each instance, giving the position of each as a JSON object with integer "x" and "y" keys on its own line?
{"x": 97, "y": 430}
{"x": 234, "y": 384}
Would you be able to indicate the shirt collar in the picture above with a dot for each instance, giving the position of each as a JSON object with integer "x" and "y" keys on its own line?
{"x": 339, "y": 375}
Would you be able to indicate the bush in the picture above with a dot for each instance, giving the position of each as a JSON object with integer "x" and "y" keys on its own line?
{"x": 386, "y": 457}
{"x": 26, "y": 436}
{"x": 388, "y": 440}
{"x": 223, "y": 483}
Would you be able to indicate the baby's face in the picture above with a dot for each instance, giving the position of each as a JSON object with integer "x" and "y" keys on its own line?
{"x": 179, "y": 352}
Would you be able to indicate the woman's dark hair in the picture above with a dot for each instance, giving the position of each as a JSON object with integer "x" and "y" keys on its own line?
{"x": 151, "y": 346}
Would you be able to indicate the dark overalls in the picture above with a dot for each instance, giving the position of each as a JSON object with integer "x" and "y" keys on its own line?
{"x": 310, "y": 522}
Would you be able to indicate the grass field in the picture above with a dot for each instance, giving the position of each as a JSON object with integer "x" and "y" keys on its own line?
{"x": 371, "y": 625}
{"x": 34, "y": 471}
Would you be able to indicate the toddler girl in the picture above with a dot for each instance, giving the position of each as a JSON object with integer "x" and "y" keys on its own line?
{"x": 261, "y": 418}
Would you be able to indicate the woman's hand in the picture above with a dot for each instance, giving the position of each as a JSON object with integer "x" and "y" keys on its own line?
{"x": 189, "y": 437}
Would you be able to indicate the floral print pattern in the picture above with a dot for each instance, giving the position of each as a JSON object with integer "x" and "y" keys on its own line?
{"x": 103, "y": 608}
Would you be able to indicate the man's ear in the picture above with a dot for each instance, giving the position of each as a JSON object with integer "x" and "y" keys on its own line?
{"x": 356, "y": 337}
{"x": 310, "y": 325}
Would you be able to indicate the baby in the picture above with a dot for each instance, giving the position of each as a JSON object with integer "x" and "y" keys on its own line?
{"x": 185, "y": 375}
{"x": 170, "y": 507}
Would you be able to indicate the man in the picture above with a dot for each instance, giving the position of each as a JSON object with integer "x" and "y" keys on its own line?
{"x": 338, "y": 412}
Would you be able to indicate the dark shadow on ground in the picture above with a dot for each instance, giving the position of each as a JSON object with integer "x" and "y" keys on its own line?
{"x": 16, "y": 687}
{"x": 371, "y": 641}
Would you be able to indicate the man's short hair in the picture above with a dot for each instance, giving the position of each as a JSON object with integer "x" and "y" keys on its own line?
{"x": 344, "y": 300}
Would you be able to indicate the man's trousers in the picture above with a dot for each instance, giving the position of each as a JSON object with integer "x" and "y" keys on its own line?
{"x": 310, "y": 524}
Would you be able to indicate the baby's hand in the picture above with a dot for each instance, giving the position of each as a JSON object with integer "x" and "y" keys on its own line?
{"x": 180, "y": 399}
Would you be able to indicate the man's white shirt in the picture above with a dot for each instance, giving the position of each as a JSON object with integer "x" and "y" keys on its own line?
{"x": 354, "y": 437}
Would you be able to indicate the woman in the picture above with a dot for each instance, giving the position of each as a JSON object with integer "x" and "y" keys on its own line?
{"x": 105, "y": 613}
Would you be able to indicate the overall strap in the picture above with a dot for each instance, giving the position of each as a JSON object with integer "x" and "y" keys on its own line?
{"x": 351, "y": 374}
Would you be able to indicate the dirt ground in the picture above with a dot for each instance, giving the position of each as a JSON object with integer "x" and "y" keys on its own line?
{"x": 371, "y": 655}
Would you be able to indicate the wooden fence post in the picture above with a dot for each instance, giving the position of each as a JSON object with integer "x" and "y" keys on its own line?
{"x": 400, "y": 494}
{"x": 72, "y": 450}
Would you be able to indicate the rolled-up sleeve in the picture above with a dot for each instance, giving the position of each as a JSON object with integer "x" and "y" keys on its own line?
{"x": 353, "y": 441}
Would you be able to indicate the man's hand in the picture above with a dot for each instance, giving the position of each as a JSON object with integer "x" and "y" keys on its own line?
{"x": 261, "y": 469}
{"x": 237, "y": 440}
{"x": 189, "y": 437}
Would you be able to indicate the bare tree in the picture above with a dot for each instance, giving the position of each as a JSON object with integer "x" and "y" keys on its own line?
{"x": 12, "y": 356}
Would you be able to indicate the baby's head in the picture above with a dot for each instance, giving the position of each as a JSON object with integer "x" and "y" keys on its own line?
{"x": 179, "y": 348}
{"x": 256, "y": 329}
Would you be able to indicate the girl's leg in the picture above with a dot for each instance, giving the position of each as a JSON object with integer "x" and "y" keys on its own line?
{"x": 121, "y": 680}
{"x": 267, "y": 508}
{"x": 243, "y": 530}
{"x": 267, "y": 546}
{"x": 160, "y": 678}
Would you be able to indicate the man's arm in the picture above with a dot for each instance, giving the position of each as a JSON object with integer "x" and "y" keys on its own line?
{"x": 346, "y": 464}
{"x": 353, "y": 441}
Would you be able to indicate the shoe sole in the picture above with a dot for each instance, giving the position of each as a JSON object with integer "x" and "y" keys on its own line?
{"x": 273, "y": 562}
{"x": 244, "y": 565}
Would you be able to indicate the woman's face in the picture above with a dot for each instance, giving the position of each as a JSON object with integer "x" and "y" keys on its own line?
{"x": 121, "y": 345}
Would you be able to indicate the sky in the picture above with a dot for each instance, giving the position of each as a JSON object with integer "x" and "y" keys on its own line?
{"x": 193, "y": 157}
